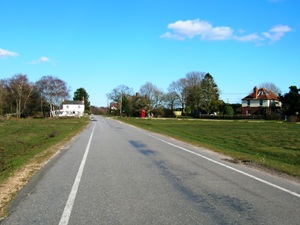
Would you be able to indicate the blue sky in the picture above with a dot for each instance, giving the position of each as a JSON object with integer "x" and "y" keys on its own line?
{"x": 99, "y": 45}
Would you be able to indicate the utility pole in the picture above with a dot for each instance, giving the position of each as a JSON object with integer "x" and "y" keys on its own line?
{"x": 121, "y": 104}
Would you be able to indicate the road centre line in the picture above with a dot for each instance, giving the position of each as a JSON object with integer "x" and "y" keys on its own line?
{"x": 228, "y": 167}
{"x": 64, "y": 220}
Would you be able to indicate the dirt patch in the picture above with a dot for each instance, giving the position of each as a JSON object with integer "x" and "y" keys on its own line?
{"x": 52, "y": 135}
{"x": 264, "y": 169}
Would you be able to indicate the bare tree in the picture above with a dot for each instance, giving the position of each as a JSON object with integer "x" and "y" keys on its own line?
{"x": 194, "y": 80}
{"x": 20, "y": 90}
{"x": 52, "y": 90}
{"x": 117, "y": 93}
{"x": 179, "y": 89}
{"x": 153, "y": 94}
{"x": 171, "y": 100}
{"x": 270, "y": 86}
{"x": 3, "y": 93}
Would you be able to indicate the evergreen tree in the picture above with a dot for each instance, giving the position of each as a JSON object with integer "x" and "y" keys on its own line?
{"x": 209, "y": 94}
{"x": 291, "y": 102}
{"x": 125, "y": 106}
{"x": 81, "y": 93}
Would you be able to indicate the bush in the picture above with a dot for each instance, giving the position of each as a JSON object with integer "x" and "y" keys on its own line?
{"x": 228, "y": 110}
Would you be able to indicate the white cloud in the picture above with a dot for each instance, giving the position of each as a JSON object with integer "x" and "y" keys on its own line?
{"x": 44, "y": 59}
{"x": 218, "y": 34}
{"x": 248, "y": 38}
{"x": 191, "y": 28}
{"x": 277, "y": 32}
{"x": 172, "y": 36}
{"x": 5, "y": 53}
{"x": 40, "y": 60}
{"x": 181, "y": 30}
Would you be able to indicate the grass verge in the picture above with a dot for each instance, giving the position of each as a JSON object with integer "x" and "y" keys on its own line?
{"x": 25, "y": 146}
{"x": 270, "y": 144}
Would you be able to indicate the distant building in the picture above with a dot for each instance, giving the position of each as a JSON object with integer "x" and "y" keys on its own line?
{"x": 70, "y": 108}
{"x": 260, "y": 98}
{"x": 114, "y": 106}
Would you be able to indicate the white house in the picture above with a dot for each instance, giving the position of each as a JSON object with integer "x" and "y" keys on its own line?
{"x": 71, "y": 108}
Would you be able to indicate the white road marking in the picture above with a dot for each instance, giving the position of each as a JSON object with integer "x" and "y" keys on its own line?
{"x": 228, "y": 167}
{"x": 64, "y": 220}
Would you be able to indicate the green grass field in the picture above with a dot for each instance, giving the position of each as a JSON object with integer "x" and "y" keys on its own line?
{"x": 271, "y": 144}
{"x": 21, "y": 140}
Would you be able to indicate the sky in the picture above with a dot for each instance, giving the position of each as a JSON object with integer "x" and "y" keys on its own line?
{"x": 101, "y": 44}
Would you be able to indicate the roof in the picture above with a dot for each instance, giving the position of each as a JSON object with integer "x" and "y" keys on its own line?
{"x": 68, "y": 102}
{"x": 114, "y": 104}
{"x": 261, "y": 94}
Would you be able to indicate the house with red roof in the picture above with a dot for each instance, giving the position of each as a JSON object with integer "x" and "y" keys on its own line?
{"x": 260, "y": 99}
{"x": 114, "y": 106}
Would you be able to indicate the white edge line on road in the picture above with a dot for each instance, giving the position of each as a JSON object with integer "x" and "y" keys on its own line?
{"x": 229, "y": 167}
{"x": 64, "y": 220}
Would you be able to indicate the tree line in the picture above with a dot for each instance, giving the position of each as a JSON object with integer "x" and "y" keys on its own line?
{"x": 21, "y": 98}
{"x": 195, "y": 94}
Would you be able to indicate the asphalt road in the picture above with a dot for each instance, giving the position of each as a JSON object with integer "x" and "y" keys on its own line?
{"x": 114, "y": 173}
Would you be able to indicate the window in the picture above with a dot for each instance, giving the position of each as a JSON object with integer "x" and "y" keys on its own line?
{"x": 79, "y": 107}
{"x": 248, "y": 102}
{"x": 260, "y": 102}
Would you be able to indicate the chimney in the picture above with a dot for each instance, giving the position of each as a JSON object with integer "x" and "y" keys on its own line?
{"x": 255, "y": 91}
{"x": 82, "y": 99}
{"x": 136, "y": 94}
